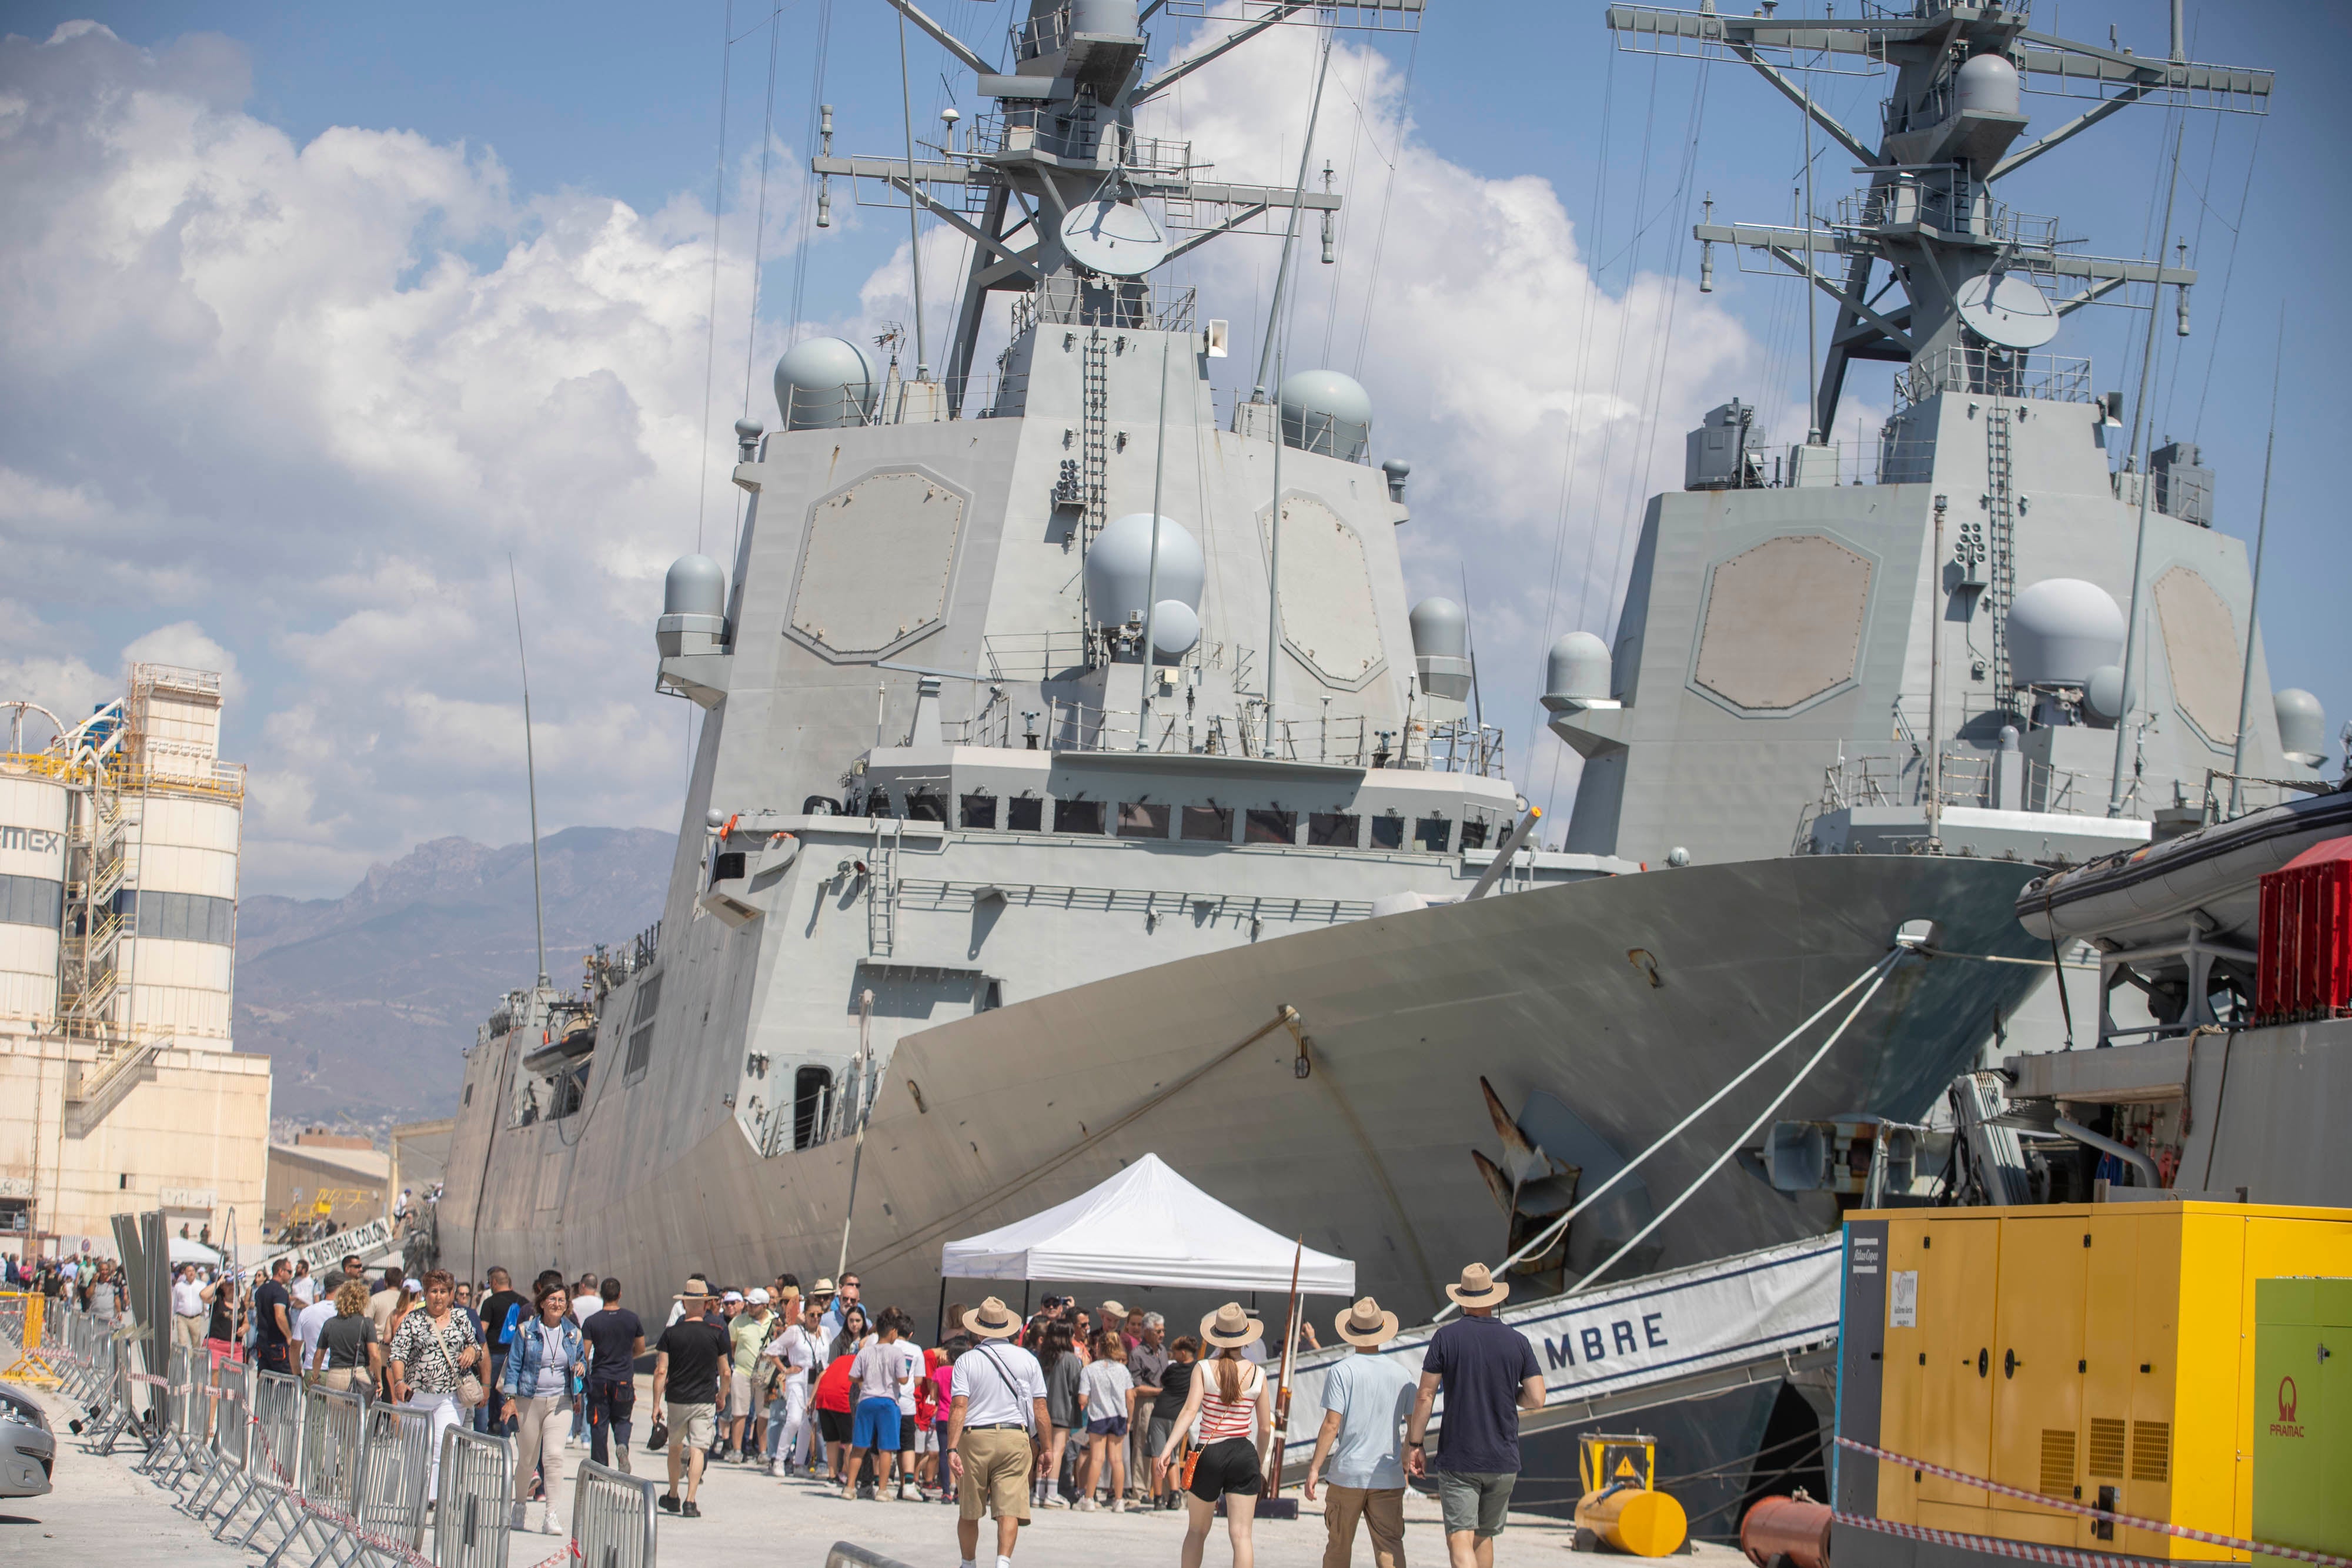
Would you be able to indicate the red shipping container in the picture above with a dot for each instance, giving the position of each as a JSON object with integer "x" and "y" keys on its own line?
{"x": 2303, "y": 967}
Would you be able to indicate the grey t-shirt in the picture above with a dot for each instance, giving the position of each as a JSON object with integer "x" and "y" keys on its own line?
{"x": 1062, "y": 1402}
{"x": 346, "y": 1340}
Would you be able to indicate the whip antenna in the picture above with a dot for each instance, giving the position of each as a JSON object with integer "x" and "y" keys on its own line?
{"x": 529, "y": 774}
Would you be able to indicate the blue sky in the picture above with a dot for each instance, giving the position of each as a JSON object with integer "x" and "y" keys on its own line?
{"x": 502, "y": 134}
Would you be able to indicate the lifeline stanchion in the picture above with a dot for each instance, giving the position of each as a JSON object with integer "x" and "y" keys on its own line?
{"x": 472, "y": 1519}
{"x": 614, "y": 1517}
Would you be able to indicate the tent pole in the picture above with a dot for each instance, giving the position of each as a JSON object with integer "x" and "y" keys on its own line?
{"x": 1024, "y": 1303}
{"x": 1287, "y": 1362}
{"x": 941, "y": 1336}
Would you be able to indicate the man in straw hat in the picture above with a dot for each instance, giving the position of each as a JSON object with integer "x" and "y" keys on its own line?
{"x": 996, "y": 1407}
{"x": 1489, "y": 1373}
{"x": 688, "y": 1360}
{"x": 1360, "y": 1451}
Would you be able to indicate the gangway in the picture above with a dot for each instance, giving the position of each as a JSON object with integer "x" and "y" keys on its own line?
{"x": 1710, "y": 1328}
{"x": 372, "y": 1242}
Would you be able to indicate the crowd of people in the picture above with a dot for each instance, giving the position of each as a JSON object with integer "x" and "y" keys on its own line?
{"x": 1005, "y": 1417}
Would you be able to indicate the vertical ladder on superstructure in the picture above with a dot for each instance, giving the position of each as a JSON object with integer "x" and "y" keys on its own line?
{"x": 882, "y": 893}
{"x": 1094, "y": 453}
{"x": 2000, "y": 527}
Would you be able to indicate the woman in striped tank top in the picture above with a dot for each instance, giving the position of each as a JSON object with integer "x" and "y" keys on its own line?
{"x": 1236, "y": 1411}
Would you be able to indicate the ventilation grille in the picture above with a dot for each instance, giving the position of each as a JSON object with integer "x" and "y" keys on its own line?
{"x": 2151, "y": 1458}
{"x": 2057, "y": 1463}
{"x": 2106, "y": 1460}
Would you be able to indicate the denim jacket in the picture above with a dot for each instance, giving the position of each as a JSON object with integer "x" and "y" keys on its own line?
{"x": 520, "y": 1378}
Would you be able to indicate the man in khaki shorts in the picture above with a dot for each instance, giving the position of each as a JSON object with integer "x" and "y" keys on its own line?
{"x": 690, "y": 1360}
{"x": 998, "y": 1404}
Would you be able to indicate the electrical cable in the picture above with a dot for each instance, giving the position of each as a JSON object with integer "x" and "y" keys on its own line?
{"x": 1380, "y": 231}
{"x": 718, "y": 205}
{"x": 806, "y": 216}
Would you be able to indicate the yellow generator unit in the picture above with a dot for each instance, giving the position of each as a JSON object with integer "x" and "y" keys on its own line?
{"x": 1622, "y": 1506}
{"x": 2097, "y": 1353}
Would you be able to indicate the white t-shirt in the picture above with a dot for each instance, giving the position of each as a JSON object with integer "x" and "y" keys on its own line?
{"x": 586, "y": 1307}
{"x": 187, "y": 1299}
{"x": 1106, "y": 1384}
{"x": 797, "y": 1350}
{"x": 997, "y": 1381}
{"x": 309, "y": 1322}
{"x": 305, "y": 1288}
{"x": 889, "y": 1372}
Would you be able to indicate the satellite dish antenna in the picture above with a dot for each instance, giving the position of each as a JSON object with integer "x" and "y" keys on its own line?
{"x": 2007, "y": 311}
{"x": 1113, "y": 237}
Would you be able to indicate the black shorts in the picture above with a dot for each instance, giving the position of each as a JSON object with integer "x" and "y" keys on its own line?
{"x": 1227, "y": 1468}
{"x": 833, "y": 1425}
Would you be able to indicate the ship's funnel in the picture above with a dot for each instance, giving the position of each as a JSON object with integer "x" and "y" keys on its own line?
{"x": 1326, "y": 411}
{"x": 1441, "y": 647}
{"x": 826, "y": 384}
{"x": 2060, "y": 630}
{"x": 694, "y": 608}
{"x": 1118, "y": 570}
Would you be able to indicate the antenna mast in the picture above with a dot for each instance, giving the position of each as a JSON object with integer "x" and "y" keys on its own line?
{"x": 531, "y": 775}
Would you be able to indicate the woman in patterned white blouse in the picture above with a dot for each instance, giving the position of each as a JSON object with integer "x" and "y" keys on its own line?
{"x": 433, "y": 1346}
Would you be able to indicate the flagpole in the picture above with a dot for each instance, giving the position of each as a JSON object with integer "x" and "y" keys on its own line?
{"x": 1290, "y": 1361}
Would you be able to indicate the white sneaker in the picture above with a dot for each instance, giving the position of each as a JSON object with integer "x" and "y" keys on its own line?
{"x": 1085, "y": 1505}
{"x": 1119, "y": 1507}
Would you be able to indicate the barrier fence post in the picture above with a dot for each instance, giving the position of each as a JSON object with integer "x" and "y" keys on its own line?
{"x": 226, "y": 1466}
{"x": 331, "y": 1466}
{"x": 613, "y": 1517}
{"x": 471, "y": 1522}
{"x": 272, "y": 1450}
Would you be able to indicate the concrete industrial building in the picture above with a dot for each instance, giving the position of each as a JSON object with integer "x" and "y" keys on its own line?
{"x": 120, "y": 1088}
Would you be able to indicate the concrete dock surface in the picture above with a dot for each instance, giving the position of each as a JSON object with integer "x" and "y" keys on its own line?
{"x": 98, "y": 1507}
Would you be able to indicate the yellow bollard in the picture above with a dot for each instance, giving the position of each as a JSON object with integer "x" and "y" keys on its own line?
{"x": 1635, "y": 1520}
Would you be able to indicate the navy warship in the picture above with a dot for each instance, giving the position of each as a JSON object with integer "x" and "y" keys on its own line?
{"x": 1076, "y": 779}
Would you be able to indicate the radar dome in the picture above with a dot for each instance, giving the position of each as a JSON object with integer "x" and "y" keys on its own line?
{"x": 1326, "y": 411}
{"x": 2302, "y": 726}
{"x": 1118, "y": 568}
{"x": 825, "y": 383}
{"x": 2103, "y": 694}
{"x": 1577, "y": 669}
{"x": 694, "y": 608}
{"x": 1441, "y": 647}
{"x": 2060, "y": 630}
{"x": 1175, "y": 629}
{"x": 1988, "y": 85}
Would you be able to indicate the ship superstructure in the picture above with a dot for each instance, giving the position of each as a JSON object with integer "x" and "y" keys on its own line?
{"x": 1028, "y": 834}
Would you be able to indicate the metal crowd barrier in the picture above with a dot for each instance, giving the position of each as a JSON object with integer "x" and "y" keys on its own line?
{"x": 325, "y": 1503}
{"x": 471, "y": 1522}
{"x": 849, "y": 1554}
{"x": 613, "y": 1517}
{"x": 225, "y": 1468}
{"x": 273, "y": 1450}
{"x": 396, "y": 1469}
{"x": 123, "y": 1381}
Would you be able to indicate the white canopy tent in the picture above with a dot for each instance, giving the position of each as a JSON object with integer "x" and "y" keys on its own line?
{"x": 1147, "y": 1225}
{"x": 186, "y": 1251}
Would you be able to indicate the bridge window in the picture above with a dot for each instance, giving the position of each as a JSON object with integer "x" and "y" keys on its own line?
{"x": 1431, "y": 833}
{"x": 1474, "y": 833}
{"x": 927, "y": 806}
{"x": 979, "y": 810}
{"x": 1026, "y": 814}
{"x": 1333, "y": 829}
{"x": 1271, "y": 827}
{"x": 1140, "y": 820}
{"x": 1077, "y": 816}
{"x": 1209, "y": 824}
{"x": 1388, "y": 832}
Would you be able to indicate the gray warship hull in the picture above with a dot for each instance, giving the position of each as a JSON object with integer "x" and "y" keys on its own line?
{"x": 1015, "y": 1108}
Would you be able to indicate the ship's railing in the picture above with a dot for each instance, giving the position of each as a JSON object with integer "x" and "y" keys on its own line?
{"x": 1994, "y": 372}
{"x": 1033, "y": 655}
{"x": 1070, "y": 302}
{"x": 1969, "y": 780}
{"x": 1358, "y": 15}
{"x": 2251, "y": 793}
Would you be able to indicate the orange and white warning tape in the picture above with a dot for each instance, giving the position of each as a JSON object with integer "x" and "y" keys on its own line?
{"x": 2063, "y": 1505}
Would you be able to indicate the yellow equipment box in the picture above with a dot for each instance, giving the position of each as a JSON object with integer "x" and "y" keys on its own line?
{"x": 2099, "y": 1352}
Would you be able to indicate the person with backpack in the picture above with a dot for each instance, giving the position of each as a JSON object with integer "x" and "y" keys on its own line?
{"x": 501, "y": 1311}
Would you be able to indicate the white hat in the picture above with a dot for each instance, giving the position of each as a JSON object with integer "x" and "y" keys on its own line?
{"x": 758, "y": 1297}
{"x": 732, "y": 1296}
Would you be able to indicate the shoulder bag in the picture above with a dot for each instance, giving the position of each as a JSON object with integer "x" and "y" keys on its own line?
{"x": 470, "y": 1392}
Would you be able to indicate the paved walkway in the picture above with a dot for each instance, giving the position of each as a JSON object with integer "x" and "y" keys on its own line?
{"x": 98, "y": 1511}
{"x": 99, "y": 1505}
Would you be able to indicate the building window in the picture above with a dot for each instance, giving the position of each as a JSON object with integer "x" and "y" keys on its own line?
{"x": 1077, "y": 816}
{"x": 1431, "y": 833}
{"x": 1474, "y": 833}
{"x": 1333, "y": 829}
{"x": 1270, "y": 827}
{"x": 812, "y": 1104}
{"x": 179, "y": 916}
{"x": 1140, "y": 820}
{"x": 16, "y": 1214}
{"x": 877, "y": 804}
{"x": 1388, "y": 832}
{"x": 927, "y": 806}
{"x": 469, "y": 1094}
{"x": 979, "y": 810}
{"x": 641, "y": 1028}
{"x": 1026, "y": 814}
{"x": 31, "y": 901}
{"x": 1209, "y": 824}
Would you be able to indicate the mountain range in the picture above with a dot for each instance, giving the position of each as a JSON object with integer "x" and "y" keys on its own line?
{"x": 366, "y": 1003}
